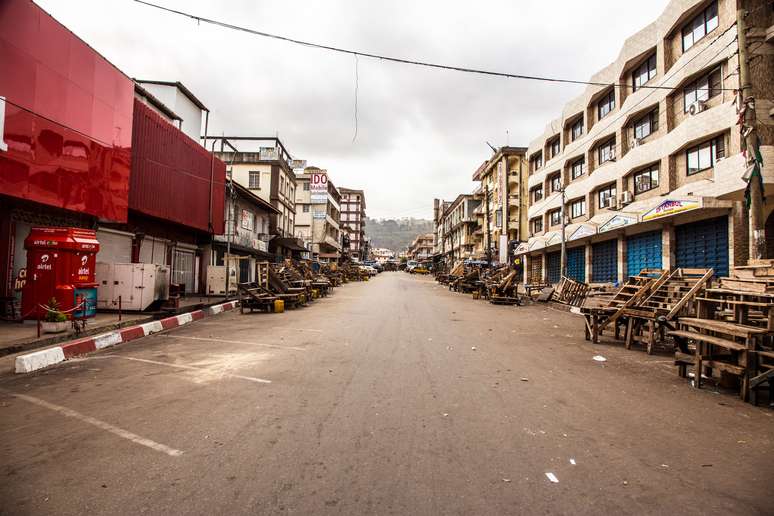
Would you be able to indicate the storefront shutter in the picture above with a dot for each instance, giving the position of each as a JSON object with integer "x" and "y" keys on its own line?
{"x": 576, "y": 263}
{"x": 703, "y": 244}
{"x": 553, "y": 266}
{"x": 604, "y": 262}
{"x": 643, "y": 251}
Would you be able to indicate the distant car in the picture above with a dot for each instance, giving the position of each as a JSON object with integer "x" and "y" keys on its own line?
{"x": 370, "y": 270}
{"x": 420, "y": 269}
{"x": 411, "y": 265}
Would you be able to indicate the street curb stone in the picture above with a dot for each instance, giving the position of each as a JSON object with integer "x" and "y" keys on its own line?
{"x": 47, "y": 357}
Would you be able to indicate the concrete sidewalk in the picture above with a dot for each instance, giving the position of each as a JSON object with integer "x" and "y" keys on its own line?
{"x": 27, "y": 363}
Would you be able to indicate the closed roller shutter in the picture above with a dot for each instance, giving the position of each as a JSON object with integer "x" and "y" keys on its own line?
{"x": 703, "y": 244}
{"x": 604, "y": 262}
{"x": 114, "y": 247}
{"x": 553, "y": 266}
{"x": 576, "y": 264}
{"x": 535, "y": 270}
{"x": 643, "y": 251}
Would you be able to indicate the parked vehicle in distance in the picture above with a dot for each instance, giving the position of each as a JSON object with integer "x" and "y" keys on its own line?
{"x": 420, "y": 269}
{"x": 411, "y": 264}
{"x": 370, "y": 270}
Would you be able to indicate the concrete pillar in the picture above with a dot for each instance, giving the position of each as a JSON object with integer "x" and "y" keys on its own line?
{"x": 668, "y": 247}
{"x": 543, "y": 271}
{"x": 623, "y": 273}
{"x": 587, "y": 265}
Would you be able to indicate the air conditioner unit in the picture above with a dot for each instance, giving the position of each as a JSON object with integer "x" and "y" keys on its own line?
{"x": 636, "y": 142}
{"x": 626, "y": 198}
{"x": 697, "y": 107}
{"x": 612, "y": 155}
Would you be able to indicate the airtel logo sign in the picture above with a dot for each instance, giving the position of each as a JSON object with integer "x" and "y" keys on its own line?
{"x": 44, "y": 265}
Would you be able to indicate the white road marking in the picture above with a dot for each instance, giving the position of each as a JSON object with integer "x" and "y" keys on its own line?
{"x": 189, "y": 368}
{"x": 120, "y": 432}
{"x": 213, "y": 339}
{"x": 296, "y": 329}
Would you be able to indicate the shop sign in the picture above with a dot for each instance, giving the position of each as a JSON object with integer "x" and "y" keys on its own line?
{"x": 319, "y": 198}
{"x": 539, "y": 243}
{"x": 319, "y": 215}
{"x": 616, "y": 222}
{"x": 523, "y": 248}
{"x": 670, "y": 207}
{"x": 583, "y": 231}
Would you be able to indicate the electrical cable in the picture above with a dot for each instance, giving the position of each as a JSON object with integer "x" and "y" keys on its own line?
{"x": 415, "y": 62}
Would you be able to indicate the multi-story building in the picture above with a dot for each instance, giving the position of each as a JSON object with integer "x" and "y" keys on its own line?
{"x": 458, "y": 228}
{"x": 353, "y": 216}
{"x": 267, "y": 173}
{"x": 651, "y": 166}
{"x": 381, "y": 254}
{"x": 318, "y": 214}
{"x": 422, "y": 247}
{"x": 502, "y": 214}
{"x": 439, "y": 210}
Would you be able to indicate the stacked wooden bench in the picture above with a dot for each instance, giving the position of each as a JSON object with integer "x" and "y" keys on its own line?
{"x": 673, "y": 296}
{"x": 253, "y": 296}
{"x": 570, "y": 292}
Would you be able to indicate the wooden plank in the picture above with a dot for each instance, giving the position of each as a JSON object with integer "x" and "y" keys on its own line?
{"x": 709, "y": 339}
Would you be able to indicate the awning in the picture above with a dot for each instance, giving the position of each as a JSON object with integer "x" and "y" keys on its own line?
{"x": 328, "y": 255}
{"x": 294, "y": 244}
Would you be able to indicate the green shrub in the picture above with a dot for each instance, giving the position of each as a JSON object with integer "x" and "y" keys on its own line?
{"x": 53, "y": 314}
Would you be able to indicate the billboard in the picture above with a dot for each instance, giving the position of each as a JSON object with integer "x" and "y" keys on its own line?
{"x": 318, "y": 187}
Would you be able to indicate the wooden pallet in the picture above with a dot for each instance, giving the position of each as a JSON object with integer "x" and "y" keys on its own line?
{"x": 570, "y": 292}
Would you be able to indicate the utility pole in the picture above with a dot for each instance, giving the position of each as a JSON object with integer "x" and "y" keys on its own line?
{"x": 487, "y": 243}
{"x": 563, "y": 257}
{"x": 750, "y": 143}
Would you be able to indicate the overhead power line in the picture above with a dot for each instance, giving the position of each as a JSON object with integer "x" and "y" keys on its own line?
{"x": 415, "y": 62}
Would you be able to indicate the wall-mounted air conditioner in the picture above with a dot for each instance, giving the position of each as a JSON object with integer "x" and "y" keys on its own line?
{"x": 626, "y": 198}
{"x": 636, "y": 142}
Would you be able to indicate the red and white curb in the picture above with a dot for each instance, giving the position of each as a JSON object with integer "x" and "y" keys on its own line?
{"x": 50, "y": 356}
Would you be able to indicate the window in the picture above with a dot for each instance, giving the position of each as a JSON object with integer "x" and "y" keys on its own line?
{"x": 606, "y": 104}
{"x": 576, "y": 169}
{"x": 537, "y": 193}
{"x": 703, "y": 88}
{"x": 646, "y": 179}
{"x": 647, "y": 125}
{"x": 705, "y": 156}
{"x": 607, "y": 197}
{"x": 643, "y": 73}
{"x": 537, "y": 161}
{"x": 537, "y": 225}
{"x": 606, "y": 152}
{"x": 704, "y": 23}
{"x": 577, "y": 208}
{"x": 254, "y": 180}
{"x": 556, "y": 182}
{"x": 577, "y": 129}
{"x": 555, "y": 147}
{"x": 555, "y": 217}
{"x": 306, "y": 208}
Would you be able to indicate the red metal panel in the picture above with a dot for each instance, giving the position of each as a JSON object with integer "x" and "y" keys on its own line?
{"x": 68, "y": 121}
{"x": 171, "y": 174}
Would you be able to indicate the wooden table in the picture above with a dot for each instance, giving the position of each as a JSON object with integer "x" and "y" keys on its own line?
{"x": 741, "y": 303}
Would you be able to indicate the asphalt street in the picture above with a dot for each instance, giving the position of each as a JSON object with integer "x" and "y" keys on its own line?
{"x": 393, "y": 396}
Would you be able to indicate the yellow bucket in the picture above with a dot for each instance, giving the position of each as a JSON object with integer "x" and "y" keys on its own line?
{"x": 279, "y": 306}
{"x": 315, "y": 293}
{"x": 476, "y": 295}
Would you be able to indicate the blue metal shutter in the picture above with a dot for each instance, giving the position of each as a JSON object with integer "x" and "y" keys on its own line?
{"x": 703, "y": 244}
{"x": 604, "y": 262}
{"x": 576, "y": 263}
{"x": 553, "y": 266}
{"x": 643, "y": 251}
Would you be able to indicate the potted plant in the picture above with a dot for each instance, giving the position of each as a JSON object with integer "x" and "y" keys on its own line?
{"x": 54, "y": 321}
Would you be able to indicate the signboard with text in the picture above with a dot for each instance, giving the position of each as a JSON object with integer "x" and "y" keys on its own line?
{"x": 318, "y": 187}
{"x": 671, "y": 207}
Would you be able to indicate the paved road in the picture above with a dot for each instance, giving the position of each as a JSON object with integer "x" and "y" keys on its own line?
{"x": 378, "y": 403}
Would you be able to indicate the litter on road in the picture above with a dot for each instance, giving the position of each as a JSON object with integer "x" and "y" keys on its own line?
{"x": 552, "y": 478}
{"x": 600, "y": 358}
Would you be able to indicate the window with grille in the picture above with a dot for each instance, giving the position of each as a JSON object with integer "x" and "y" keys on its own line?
{"x": 577, "y": 168}
{"x": 606, "y": 104}
{"x": 254, "y": 180}
{"x": 577, "y": 129}
{"x": 606, "y": 152}
{"x": 646, "y": 125}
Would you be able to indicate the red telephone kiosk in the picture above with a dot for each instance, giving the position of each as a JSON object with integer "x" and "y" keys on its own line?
{"x": 60, "y": 264}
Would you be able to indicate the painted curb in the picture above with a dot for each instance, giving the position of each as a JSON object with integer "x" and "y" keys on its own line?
{"x": 47, "y": 357}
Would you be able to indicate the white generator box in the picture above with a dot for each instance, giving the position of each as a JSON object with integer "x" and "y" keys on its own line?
{"x": 216, "y": 280}
{"x": 137, "y": 284}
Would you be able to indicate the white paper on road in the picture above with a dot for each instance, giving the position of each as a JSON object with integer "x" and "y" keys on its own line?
{"x": 600, "y": 358}
{"x": 552, "y": 478}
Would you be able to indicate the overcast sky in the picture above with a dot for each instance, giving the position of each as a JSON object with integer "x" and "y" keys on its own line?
{"x": 421, "y": 132}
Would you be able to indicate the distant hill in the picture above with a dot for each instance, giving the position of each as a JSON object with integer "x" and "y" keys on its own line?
{"x": 395, "y": 234}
